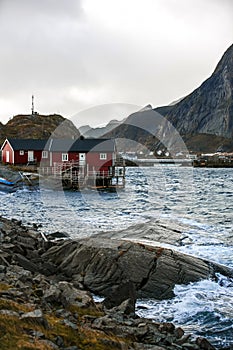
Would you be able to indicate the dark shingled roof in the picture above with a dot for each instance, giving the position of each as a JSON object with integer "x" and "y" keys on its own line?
{"x": 27, "y": 144}
{"x": 64, "y": 145}
{"x": 81, "y": 145}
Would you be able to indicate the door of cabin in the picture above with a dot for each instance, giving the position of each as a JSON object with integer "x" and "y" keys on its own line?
{"x": 82, "y": 158}
{"x": 30, "y": 156}
{"x": 7, "y": 156}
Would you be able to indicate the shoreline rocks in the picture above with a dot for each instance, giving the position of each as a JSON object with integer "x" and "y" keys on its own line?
{"x": 103, "y": 265}
{"x": 45, "y": 292}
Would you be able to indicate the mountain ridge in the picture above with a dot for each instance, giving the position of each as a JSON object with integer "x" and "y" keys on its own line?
{"x": 38, "y": 126}
{"x": 209, "y": 108}
{"x": 206, "y": 111}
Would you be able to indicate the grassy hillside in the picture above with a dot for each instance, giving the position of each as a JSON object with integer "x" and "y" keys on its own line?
{"x": 38, "y": 126}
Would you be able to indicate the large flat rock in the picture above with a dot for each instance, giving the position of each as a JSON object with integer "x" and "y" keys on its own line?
{"x": 155, "y": 232}
{"x": 104, "y": 264}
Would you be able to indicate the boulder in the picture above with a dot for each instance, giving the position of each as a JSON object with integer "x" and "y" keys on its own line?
{"x": 72, "y": 296}
{"x": 25, "y": 263}
{"x": 124, "y": 292}
{"x": 104, "y": 265}
{"x": 35, "y": 317}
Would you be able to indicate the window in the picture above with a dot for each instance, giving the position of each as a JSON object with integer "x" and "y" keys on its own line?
{"x": 103, "y": 156}
{"x": 45, "y": 154}
{"x": 21, "y": 153}
{"x": 64, "y": 157}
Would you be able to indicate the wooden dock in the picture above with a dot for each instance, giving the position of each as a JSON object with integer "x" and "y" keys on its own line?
{"x": 72, "y": 175}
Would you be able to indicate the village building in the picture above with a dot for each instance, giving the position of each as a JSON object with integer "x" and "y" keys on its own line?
{"x": 22, "y": 151}
{"x": 97, "y": 153}
{"x": 86, "y": 161}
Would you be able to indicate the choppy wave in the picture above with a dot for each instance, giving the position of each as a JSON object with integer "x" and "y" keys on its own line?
{"x": 204, "y": 308}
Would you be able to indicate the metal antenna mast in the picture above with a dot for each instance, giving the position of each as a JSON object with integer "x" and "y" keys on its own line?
{"x": 33, "y": 104}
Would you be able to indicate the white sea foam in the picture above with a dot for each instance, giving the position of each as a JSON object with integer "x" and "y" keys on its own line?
{"x": 204, "y": 307}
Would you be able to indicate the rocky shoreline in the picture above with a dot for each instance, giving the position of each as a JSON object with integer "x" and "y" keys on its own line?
{"x": 46, "y": 292}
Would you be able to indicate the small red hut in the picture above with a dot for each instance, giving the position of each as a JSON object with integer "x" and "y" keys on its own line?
{"x": 22, "y": 151}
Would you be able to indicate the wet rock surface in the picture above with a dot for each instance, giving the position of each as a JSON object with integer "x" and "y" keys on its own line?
{"x": 103, "y": 265}
{"x": 45, "y": 299}
{"x": 153, "y": 232}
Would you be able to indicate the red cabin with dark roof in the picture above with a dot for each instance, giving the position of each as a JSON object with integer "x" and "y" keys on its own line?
{"x": 98, "y": 154}
{"x": 22, "y": 151}
{"x": 82, "y": 162}
{"x": 94, "y": 154}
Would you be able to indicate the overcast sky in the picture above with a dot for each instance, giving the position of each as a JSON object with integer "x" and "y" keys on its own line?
{"x": 74, "y": 55}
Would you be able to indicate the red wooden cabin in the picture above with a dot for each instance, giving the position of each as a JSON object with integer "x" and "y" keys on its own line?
{"x": 22, "y": 151}
{"x": 82, "y": 162}
{"x": 94, "y": 153}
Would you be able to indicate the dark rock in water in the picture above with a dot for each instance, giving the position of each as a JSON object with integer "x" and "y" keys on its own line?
{"x": 204, "y": 344}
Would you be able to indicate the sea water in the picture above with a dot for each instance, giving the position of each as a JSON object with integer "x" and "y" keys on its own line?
{"x": 199, "y": 198}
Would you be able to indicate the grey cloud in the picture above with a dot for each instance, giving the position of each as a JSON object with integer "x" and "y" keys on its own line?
{"x": 48, "y": 8}
{"x": 53, "y": 49}
{"x": 39, "y": 42}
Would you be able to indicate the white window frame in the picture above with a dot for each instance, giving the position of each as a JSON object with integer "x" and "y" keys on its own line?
{"x": 65, "y": 157}
{"x": 21, "y": 152}
{"x": 44, "y": 154}
{"x": 103, "y": 156}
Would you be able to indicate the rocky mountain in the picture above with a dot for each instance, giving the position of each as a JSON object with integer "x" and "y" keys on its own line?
{"x": 204, "y": 118}
{"x": 38, "y": 126}
{"x": 90, "y": 132}
{"x": 141, "y": 129}
{"x": 209, "y": 108}
{"x": 84, "y": 129}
